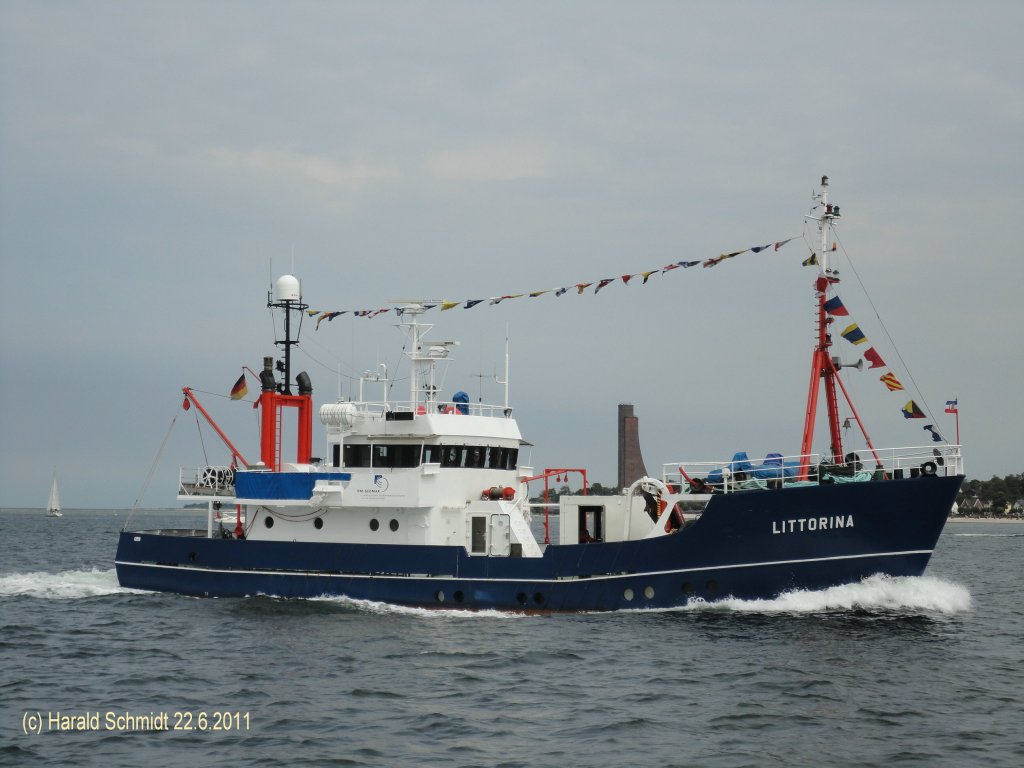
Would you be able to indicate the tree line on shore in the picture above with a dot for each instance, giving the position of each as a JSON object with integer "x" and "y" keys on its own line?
{"x": 997, "y": 496}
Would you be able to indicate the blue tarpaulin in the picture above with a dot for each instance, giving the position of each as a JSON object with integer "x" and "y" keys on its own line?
{"x": 775, "y": 468}
{"x": 740, "y": 463}
{"x": 281, "y": 485}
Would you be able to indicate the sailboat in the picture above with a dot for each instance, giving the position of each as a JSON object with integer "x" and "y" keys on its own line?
{"x": 53, "y": 505}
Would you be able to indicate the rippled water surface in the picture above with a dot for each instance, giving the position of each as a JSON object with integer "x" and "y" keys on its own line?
{"x": 926, "y": 671}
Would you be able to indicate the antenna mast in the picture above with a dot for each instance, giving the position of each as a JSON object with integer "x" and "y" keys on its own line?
{"x": 289, "y": 299}
{"x": 504, "y": 381}
{"x": 274, "y": 395}
{"x": 423, "y": 356}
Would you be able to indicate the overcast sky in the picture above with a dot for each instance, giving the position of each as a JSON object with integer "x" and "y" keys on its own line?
{"x": 155, "y": 158}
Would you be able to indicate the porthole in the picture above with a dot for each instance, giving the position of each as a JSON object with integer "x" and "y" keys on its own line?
{"x": 538, "y": 598}
{"x": 648, "y": 592}
{"x": 712, "y": 586}
{"x": 318, "y": 523}
{"x": 393, "y": 525}
{"x": 458, "y": 596}
{"x": 268, "y": 521}
{"x": 374, "y": 524}
{"x": 521, "y": 598}
{"x": 687, "y": 587}
{"x": 627, "y": 593}
{"x": 439, "y": 596}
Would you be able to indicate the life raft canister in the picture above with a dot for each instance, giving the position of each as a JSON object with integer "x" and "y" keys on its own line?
{"x": 496, "y": 492}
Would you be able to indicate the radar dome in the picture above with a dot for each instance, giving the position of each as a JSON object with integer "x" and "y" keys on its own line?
{"x": 288, "y": 288}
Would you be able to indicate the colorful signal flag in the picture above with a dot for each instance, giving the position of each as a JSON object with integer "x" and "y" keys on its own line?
{"x": 853, "y": 334}
{"x": 874, "y": 358}
{"x": 912, "y": 411}
{"x": 891, "y": 382}
{"x": 834, "y": 306}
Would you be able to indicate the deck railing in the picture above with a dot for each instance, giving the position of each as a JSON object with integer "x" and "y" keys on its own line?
{"x": 380, "y": 408}
{"x": 776, "y": 471}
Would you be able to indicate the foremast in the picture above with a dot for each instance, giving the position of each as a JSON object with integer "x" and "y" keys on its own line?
{"x": 824, "y": 367}
{"x": 276, "y": 396}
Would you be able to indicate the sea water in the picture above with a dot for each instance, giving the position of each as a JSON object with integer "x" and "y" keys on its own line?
{"x": 893, "y": 671}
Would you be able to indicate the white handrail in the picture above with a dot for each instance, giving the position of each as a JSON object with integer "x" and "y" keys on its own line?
{"x": 904, "y": 461}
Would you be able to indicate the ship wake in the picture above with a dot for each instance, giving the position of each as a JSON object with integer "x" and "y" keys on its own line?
{"x": 878, "y": 593}
{"x": 65, "y": 585}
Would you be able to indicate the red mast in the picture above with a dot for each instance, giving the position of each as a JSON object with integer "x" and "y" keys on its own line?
{"x": 825, "y": 368}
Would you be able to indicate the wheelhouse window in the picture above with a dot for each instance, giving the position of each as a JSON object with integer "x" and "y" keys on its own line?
{"x": 356, "y": 455}
{"x": 471, "y": 456}
{"x": 392, "y": 455}
{"x": 502, "y": 458}
{"x": 453, "y": 455}
{"x": 389, "y": 455}
{"x": 431, "y": 454}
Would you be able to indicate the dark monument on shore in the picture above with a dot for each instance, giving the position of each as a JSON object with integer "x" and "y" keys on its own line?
{"x": 631, "y": 462}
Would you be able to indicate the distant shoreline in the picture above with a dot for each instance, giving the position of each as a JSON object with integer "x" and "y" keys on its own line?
{"x": 981, "y": 520}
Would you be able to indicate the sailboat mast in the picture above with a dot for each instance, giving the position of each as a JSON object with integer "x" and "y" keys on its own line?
{"x": 53, "y": 503}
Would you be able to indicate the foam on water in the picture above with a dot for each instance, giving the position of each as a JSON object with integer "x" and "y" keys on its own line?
{"x": 373, "y": 606}
{"x": 875, "y": 593}
{"x": 66, "y": 585}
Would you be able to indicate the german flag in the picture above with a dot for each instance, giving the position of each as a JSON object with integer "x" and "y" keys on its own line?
{"x": 239, "y": 390}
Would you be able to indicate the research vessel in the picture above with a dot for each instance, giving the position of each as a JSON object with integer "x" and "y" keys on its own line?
{"x": 426, "y": 501}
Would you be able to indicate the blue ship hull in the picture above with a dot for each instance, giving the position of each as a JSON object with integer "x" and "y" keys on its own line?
{"x": 749, "y": 545}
